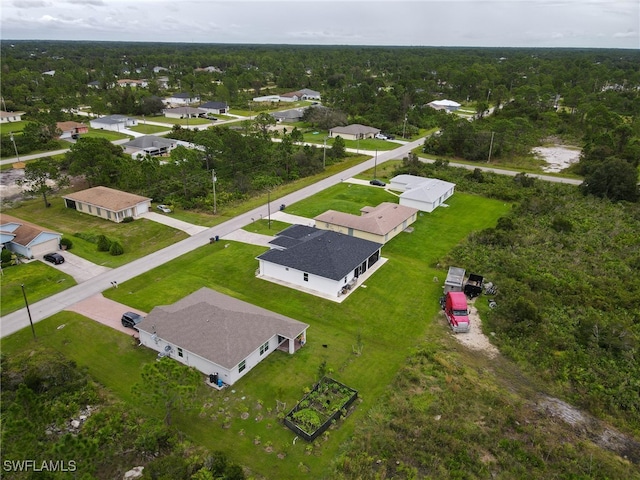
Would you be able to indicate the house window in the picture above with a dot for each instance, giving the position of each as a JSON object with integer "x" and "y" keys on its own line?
{"x": 89, "y": 208}
{"x": 306, "y": 277}
{"x": 98, "y": 211}
{"x": 264, "y": 347}
{"x": 345, "y": 279}
{"x": 180, "y": 352}
{"x": 242, "y": 366}
{"x": 80, "y": 206}
{"x": 109, "y": 214}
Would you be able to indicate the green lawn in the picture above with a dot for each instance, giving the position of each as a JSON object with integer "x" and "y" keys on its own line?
{"x": 390, "y": 316}
{"x": 39, "y": 279}
{"x": 174, "y": 121}
{"x": 108, "y": 134}
{"x": 6, "y": 128}
{"x": 149, "y": 129}
{"x": 139, "y": 238}
{"x": 264, "y": 227}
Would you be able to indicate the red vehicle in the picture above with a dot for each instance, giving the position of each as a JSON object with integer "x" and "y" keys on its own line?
{"x": 456, "y": 311}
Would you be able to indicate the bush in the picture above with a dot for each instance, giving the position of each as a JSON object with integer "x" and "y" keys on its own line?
{"x": 66, "y": 243}
{"x": 127, "y": 220}
{"x": 116, "y": 249}
{"x": 104, "y": 244}
{"x": 5, "y": 256}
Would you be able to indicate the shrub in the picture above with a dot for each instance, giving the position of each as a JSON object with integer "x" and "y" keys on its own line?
{"x": 116, "y": 249}
{"x": 127, "y": 220}
{"x": 104, "y": 244}
{"x": 66, "y": 243}
{"x": 5, "y": 256}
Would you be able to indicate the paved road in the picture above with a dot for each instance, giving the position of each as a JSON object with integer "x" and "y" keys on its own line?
{"x": 49, "y": 306}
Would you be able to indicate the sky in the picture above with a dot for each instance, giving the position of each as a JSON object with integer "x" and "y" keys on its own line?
{"x": 479, "y": 23}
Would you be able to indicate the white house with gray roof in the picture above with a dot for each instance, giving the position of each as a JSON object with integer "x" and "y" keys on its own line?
{"x": 425, "y": 194}
{"x": 115, "y": 123}
{"x": 354, "y": 132}
{"x": 321, "y": 262}
{"x": 149, "y": 145}
{"x": 218, "y": 334}
{"x": 182, "y": 98}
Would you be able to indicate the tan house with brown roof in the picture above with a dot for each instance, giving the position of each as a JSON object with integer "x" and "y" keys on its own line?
{"x": 219, "y": 335}
{"x": 69, "y": 129}
{"x": 108, "y": 203}
{"x": 377, "y": 224}
{"x": 25, "y": 238}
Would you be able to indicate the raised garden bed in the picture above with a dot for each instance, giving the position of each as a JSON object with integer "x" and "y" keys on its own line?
{"x": 314, "y": 414}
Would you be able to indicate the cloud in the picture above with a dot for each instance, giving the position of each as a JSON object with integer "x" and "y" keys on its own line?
{"x": 95, "y": 3}
{"x": 31, "y": 4}
{"x": 627, "y": 34}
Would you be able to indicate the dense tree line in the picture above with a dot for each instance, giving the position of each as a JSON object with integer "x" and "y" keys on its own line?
{"x": 244, "y": 164}
{"x": 383, "y": 86}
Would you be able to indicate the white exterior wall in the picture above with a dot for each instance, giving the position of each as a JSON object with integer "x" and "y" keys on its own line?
{"x": 45, "y": 243}
{"x": 420, "y": 205}
{"x": 142, "y": 208}
{"x": 296, "y": 277}
{"x": 207, "y": 367}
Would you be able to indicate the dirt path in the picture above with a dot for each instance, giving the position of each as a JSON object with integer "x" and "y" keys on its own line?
{"x": 584, "y": 425}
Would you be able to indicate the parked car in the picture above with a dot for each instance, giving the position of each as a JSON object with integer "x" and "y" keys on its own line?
{"x": 381, "y": 136}
{"x": 54, "y": 258}
{"x": 377, "y": 183}
{"x": 164, "y": 209}
{"x": 131, "y": 319}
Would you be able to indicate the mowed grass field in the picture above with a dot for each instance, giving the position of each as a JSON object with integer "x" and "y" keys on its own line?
{"x": 389, "y": 316}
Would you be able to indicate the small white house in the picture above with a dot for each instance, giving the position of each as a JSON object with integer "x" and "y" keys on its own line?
{"x": 219, "y": 335}
{"x": 354, "y": 131}
{"x": 217, "y": 108}
{"x": 183, "y": 112}
{"x": 447, "y": 105}
{"x": 7, "y": 117}
{"x": 321, "y": 262}
{"x": 425, "y": 194}
{"x": 114, "y": 123}
{"x": 183, "y": 98}
{"x": 149, "y": 145}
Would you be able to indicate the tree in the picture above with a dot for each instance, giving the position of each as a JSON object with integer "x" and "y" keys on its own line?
{"x": 40, "y": 174}
{"x": 614, "y": 179}
{"x": 97, "y": 159}
{"x": 169, "y": 385}
{"x": 263, "y": 122}
{"x": 338, "y": 149}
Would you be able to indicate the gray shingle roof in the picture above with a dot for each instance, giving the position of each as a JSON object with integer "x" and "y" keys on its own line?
{"x": 214, "y": 105}
{"x": 217, "y": 327}
{"x": 324, "y": 253}
{"x": 149, "y": 141}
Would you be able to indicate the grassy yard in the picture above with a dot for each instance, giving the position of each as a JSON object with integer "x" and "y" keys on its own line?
{"x": 108, "y": 134}
{"x": 263, "y": 228}
{"x": 149, "y": 129}
{"x": 39, "y": 279}
{"x": 12, "y": 127}
{"x": 389, "y": 317}
{"x": 139, "y": 238}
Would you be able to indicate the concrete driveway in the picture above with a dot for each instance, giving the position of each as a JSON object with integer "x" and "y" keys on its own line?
{"x": 105, "y": 311}
{"x": 79, "y": 268}
{"x": 186, "y": 227}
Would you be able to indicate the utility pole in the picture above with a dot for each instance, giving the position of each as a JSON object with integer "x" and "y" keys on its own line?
{"x": 404, "y": 125}
{"x": 375, "y": 164}
{"x": 324, "y": 154}
{"x": 24, "y": 294}
{"x": 214, "y": 179}
{"x": 269, "y": 207}
{"x": 14, "y": 145}
{"x": 490, "y": 146}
